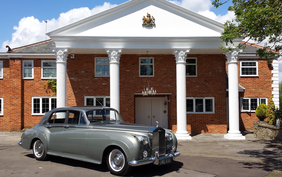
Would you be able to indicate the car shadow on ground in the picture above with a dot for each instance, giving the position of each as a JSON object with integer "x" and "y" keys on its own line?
{"x": 145, "y": 170}
{"x": 271, "y": 155}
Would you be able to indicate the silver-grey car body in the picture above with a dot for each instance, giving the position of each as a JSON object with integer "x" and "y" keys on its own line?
{"x": 98, "y": 134}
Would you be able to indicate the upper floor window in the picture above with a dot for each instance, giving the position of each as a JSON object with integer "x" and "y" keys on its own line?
{"x": 48, "y": 69}
{"x": 41, "y": 105}
{"x": 200, "y": 105}
{"x": 1, "y": 69}
{"x": 1, "y": 106}
{"x": 102, "y": 67}
{"x": 97, "y": 101}
{"x": 249, "y": 68}
{"x": 146, "y": 67}
{"x": 28, "y": 69}
{"x": 251, "y": 104}
{"x": 191, "y": 67}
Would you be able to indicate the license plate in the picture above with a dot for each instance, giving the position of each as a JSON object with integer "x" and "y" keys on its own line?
{"x": 165, "y": 161}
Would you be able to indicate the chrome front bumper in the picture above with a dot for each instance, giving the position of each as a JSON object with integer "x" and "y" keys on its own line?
{"x": 155, "y": 160}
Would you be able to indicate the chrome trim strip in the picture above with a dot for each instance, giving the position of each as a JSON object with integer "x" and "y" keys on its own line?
{"x": 155, "y": 160}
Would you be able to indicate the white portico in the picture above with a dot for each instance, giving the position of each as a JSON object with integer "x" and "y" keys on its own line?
{"x": 177, "y": 31}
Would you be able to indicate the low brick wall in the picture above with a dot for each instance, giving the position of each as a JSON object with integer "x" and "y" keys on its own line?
{"x": 264, "y": 131}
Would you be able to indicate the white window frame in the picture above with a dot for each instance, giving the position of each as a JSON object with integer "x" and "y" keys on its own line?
{"x": 204, "y": 105}
{"x": 192, "y": 64}
{"x": 249, "y": 98}
{"x": 1, "y": 69}
{"x": 40, "y": 109}
{"x": 54, "y": 61}
{"x": 94, "y": 101}
{"x": 146, "y": 64}
{"x": 101, "y": 64}
{"x": 32, "y": 70}
{"x": 2, "y": 107}
{"x": 241, "y": 67}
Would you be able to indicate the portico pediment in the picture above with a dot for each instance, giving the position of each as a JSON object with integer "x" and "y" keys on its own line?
{"x": 122, "y": 25}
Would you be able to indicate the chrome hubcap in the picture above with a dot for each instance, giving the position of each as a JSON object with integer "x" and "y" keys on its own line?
{"x": 117, "y": 160}
{"x": 38, "y": 148}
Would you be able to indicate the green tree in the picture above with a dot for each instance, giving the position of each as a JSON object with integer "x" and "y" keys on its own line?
{"x": 261, "y": 111}
{"x": 270, "y": 112}
{"x": 258, "y": 20}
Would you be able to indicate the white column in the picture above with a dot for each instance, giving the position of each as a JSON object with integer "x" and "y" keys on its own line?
{"x": 233, "y": 133}
{"x": 61, "y": 56}
{"x": 180, "y": 57}
{"x": 114, "y": 57}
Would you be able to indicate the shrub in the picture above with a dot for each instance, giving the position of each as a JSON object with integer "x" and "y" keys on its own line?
{"x": 270, "y": 113}
{"x": 261, "y": 112}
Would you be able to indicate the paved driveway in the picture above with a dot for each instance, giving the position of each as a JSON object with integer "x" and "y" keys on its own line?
{"x": 204, "y": 156}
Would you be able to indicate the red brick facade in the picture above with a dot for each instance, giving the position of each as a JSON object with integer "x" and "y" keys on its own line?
{"x": 81, "y": 81}
{"x": 260, "y": 86}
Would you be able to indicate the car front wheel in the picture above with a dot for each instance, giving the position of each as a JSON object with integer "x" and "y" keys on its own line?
{"x": 117, "y": 162}
{"x": 39, "y": 151}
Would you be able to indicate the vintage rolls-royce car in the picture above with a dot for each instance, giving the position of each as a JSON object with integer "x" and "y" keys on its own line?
{"x": 97, "y": 135}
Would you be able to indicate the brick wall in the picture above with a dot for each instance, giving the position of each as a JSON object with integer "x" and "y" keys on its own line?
{"x": 255, "y": 87}
{"x": 81, "y": 82}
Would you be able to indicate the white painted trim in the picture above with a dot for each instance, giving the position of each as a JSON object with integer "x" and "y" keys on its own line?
{"x": 2, "y": 106}
{"x": 193, "y": 64}
{"x": 204, "y": 105}
{"x": 94, "y": 99}
{"x": 249, "y": 98}
{"x": 147, "y": 64}
{"x": 275, "y": 85}
{"x": 1, "y": 69}
{"x": 101, "y": 64}
{"x": 139, "y": 42}
{"x": 32, "y": 69}
{"x": 241, "y": 61}
{"x": 40, "y": 104}
{"x": 27, "y": 55}
{"x": 54, "y": 61}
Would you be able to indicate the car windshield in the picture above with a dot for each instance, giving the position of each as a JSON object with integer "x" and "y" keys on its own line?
{"x": 98, "y": 115}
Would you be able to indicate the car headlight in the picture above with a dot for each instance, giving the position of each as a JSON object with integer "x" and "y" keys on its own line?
{"x": 168, "y": 136}
{"x": 144, "y": 140}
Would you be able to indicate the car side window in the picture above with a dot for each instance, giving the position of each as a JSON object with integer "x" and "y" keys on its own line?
{"x": 73, "y": 117}
{"x": 57, "y": 118}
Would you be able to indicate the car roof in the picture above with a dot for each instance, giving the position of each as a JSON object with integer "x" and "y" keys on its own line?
{"x": 81, "y": 108}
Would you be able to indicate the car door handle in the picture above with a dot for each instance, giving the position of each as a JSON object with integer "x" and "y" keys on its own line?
{"x": 66, "y": 126}
{"x": 48, "y": 126}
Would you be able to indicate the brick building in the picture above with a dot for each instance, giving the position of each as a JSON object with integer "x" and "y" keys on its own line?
{"x": 109, "y": 58}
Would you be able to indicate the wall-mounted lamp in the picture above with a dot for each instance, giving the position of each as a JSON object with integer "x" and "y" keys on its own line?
{"x": 72, "y": 56}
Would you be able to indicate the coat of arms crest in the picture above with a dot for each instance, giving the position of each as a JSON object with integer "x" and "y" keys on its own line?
{"x": 148, "y": 21}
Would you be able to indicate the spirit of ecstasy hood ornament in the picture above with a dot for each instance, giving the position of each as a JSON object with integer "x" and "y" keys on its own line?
{"x": 157, "y": 124}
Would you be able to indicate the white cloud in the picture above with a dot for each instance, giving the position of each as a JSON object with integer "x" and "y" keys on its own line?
{"x": 31, "y": 30}
{"x": 203, "y": 7}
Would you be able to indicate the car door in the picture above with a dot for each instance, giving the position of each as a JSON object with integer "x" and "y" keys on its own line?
{"x": 74, "y": 134}
{"x": 55, "y": 126}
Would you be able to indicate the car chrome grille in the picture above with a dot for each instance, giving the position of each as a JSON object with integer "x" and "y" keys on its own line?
{"x": 158, "y": 141}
